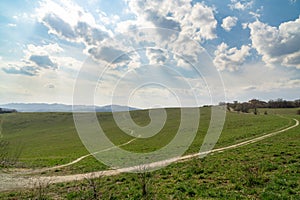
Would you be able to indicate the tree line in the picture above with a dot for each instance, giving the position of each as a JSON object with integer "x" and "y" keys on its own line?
{"x": 255, "y": 103}
{"x": 5, "y": 110}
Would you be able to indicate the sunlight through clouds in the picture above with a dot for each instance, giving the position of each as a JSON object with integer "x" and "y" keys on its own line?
{"x": 48, "y": 41}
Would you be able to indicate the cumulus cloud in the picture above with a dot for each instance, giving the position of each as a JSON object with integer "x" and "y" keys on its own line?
{"x": 69, "y": 21}
{"x": 200, "y": 23}
{"x": 197, "y": 20}
{"x": 90, "y": 35}
{"x": 109, "y": 54}
{"x": 240, "y": 5}
{"x": 277, "y": 45}
{"x": 162, "y": 21}
{"x": 59, "y": 27}
{"x": 230, "y": 58}
{"x": 177, "y": 25}
{"x": 52, "y": 48}
{"x": 22, "y": 70}
{"x": 228, "y": 23}
{"x": 35, "y": 59}
{"x": 156, "y": 56}
{"x": 43, "y": 61}
{"x": 125, "y": 26}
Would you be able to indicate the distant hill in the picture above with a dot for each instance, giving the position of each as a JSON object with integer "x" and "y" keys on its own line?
{"x": 44, "y": 107}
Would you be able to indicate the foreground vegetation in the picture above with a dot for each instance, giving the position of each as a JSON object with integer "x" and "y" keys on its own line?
{"x": 269, "y": 169}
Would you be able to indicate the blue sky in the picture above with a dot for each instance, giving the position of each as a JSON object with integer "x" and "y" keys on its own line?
{"x": 149, "y": 53}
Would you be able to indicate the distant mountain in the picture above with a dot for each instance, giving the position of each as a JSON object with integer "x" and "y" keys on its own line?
{"x": 44, "y": 107}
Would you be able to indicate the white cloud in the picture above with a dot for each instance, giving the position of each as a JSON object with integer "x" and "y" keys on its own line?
{"x": 30, "y": 89}
{"x": 71, "y": 22}
{"x": 240, "y": 5}
{"x": 40, "y": 58}
{"x": 244, "y": 25}
{"x": 52, "y": 48}
{"x": 23, "y": 17}
{"x": 277, "y": 45}
{"x": 126, "y": 26}
{"x": 253, "y": 80}
{"x": 230, "y": 59}
{"x": 68, "y": 63}
{"x": 156, "y": 56}
{"x": 284, "y": 83}
{"x": 256, "y": 15}
{"x": 12, "y": 25}
{"x": 229, "y": 22}
{"x": 267, "y": 86}
{"x": 26, "y": 70}
{"x": 196, "y": 21}
{"x": 110, "y": 54}
{"x": 200, "y": 23}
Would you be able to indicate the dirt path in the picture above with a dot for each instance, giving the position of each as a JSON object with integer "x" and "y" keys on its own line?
{"x": 34, "y": 171}
{"x": 10, "y": 181}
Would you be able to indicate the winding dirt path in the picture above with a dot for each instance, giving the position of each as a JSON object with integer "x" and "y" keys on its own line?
{"x": 34, "y": 171}
{"x": 11, "y": 181}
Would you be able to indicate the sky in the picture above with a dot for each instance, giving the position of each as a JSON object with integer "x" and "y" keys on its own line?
{"x": 149, "y": 53}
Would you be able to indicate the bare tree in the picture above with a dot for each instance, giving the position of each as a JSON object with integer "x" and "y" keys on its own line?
{"x": 40, "y": 188}
{"x": 92, "y": 182}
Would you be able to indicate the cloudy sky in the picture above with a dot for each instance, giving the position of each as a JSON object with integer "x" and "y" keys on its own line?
{"x": 149, "y": 53}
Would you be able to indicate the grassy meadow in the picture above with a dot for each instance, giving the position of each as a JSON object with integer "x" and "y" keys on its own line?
{"x": 268, "y": 169}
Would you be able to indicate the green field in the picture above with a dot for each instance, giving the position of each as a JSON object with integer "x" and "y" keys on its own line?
{"x": 269, "y": 169}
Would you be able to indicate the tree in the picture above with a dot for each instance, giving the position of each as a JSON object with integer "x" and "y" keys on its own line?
{"x": 255, "y": 111}
{"x": 5, "y": 110}
{"x": 297, "y": 103}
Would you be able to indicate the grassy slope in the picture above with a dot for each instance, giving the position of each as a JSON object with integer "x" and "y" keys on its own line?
{"x": 269, "y": 169}
{"x": 50, "y": 139}
{"x": 46, "y": 138}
